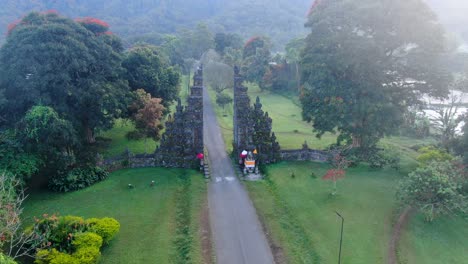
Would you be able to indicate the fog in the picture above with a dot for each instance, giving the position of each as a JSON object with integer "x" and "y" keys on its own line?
{"x": 453, "y": 14}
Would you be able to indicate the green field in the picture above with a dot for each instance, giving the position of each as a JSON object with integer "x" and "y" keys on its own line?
{"x": 288, "y": 126}
{"x": 115, "y": 140}
{"x": 300, "y": 214}
{"x": 146, "y": 214}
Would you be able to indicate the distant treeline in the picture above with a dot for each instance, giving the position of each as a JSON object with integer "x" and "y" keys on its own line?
{"x": 280, "y": 20}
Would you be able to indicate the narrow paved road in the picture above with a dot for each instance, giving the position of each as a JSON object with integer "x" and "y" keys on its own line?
{"x": 237, "y": 232}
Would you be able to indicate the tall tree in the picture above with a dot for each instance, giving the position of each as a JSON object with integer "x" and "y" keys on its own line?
{"x": 72, "y": 66}
{"x": 256, "y": 57}
{"x": 147, "y": 70}
{"x": 365, "y": 62}
{"x": 147, "y": 114}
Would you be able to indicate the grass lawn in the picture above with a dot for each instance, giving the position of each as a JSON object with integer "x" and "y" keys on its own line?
{"x": 365, "y": 198}
{"x": 116, "y": 141}
{"x": 443, "y": 241}
{"x": 300, "y": 214}
{"x": 288, "y": 126}
{"x": 146, "y": 214}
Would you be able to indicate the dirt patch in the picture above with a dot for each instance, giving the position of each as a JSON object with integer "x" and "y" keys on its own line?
{"x": 396, "y": 234}
{"x": 205, "y": 234}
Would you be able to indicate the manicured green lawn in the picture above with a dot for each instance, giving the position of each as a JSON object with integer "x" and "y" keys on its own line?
{"x": 288, "y": 126}
{"x": 300, "y": 213}
{"x": 146, "y": 214}
{"x": 117, "y": 142}
{"x": 365, "y": 198}
{"x": 443, "y": 241}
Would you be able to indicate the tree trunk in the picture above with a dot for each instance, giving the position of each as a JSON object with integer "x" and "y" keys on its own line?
{"x": 298, "y": 79}
{"x": 357, "y": 141}
{"x": 90, "y": 135}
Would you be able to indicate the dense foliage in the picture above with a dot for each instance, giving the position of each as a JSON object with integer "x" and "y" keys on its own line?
{"x": 52, "y": 60}
{"x": 71, "y": 239}
{"x": 148, "y": 70}
{"x": 362, "y": 69}
{"x": 435, "y": 189}
{"x": 77, "y": 178}
{"x": 281, "y": 20}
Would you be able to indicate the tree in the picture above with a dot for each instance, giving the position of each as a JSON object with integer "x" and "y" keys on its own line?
{"x": 13, "y": 239}
{"x": 232, "y": 57}
{"x": 338, "y": 172}
{"x": 218, "y": 75}
{"x": 365, "y": 62}
{"x": 251, "y": 46}
{"x": 47, "y": 136}
{"x": 147, "y": 114}
{"x": 71, "y": 66}
{"x": 147, "y": 70}
{"x": 262, "y": 137}
{"x": 434, "y": 189}
{"x": 227, "y": 40}
{"x": 293, "y": 56}
{"x": 256, "y": 66}
{"x": 447, "y": 118}
{"x": 14, "y": 158}
{"x": 223, "y": 99}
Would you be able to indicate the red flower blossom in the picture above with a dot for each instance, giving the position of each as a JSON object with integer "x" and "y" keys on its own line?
{"x": 251, "y": 40}
{"x": 334, "y": 175}
{"x": 312, "y": 8}
{"x": 92, "y": 20}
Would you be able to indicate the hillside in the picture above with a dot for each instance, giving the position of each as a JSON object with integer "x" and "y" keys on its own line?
{"x": 281, "y": 20}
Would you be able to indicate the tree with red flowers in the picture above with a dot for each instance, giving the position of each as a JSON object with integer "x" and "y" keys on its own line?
{"x": 340, "y": 163}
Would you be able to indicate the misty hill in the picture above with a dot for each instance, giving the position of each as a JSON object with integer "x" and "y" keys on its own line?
{"x": 281, "y": 20}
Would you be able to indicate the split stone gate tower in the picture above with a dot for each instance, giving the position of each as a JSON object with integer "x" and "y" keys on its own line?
{"x": 241, "y": 123}
{"x": 183, "y": 138}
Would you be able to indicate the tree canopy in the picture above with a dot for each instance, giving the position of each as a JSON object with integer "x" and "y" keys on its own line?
{"x": 71, "y": 66}
{"x": 364, "y": 63}
{"x": 148, "y": 70}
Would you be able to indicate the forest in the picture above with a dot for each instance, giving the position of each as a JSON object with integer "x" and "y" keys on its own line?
{"x": 216, "y": 131}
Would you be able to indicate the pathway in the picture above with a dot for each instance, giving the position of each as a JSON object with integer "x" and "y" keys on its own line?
{"x": 237, "y": 232}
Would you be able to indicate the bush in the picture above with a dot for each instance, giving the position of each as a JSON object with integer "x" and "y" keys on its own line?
{"x": 376, "y": 158}
{"x": 73, "y": 240}
{"x": 87, "y": 239}
{"x": 434, "y": 189}
{"x": 106, "y": 227}
{"x": 53, "y": 256}
{"x": 77, "y": 179}
{"x": 87, "y": 255}
{"x": 431, "y": 154}
{"x": 6, "y": 259}
{"x": 134, "y": 135}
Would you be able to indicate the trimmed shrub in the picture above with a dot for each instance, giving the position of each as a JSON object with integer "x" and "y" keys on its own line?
{"x": 78, "y": 178}
{"x": 431, "y": 154}
{"x": 53, "y": 256}
{"x": 87, "y": 239}
{"x": 106, "y": 227}
{"x": 6, "y": 259}
{"x": 73, "y": 240}
{"x": 87, "y": 255}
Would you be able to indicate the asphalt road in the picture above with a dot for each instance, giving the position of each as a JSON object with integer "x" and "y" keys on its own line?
{"x": 237, "y": 232}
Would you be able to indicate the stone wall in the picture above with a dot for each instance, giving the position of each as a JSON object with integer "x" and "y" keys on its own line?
{"x": 128, "y": 160}
{"x": 305, "y": 155}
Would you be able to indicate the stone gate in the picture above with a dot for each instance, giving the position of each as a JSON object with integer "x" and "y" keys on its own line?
{"x": 183, "y": 138}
